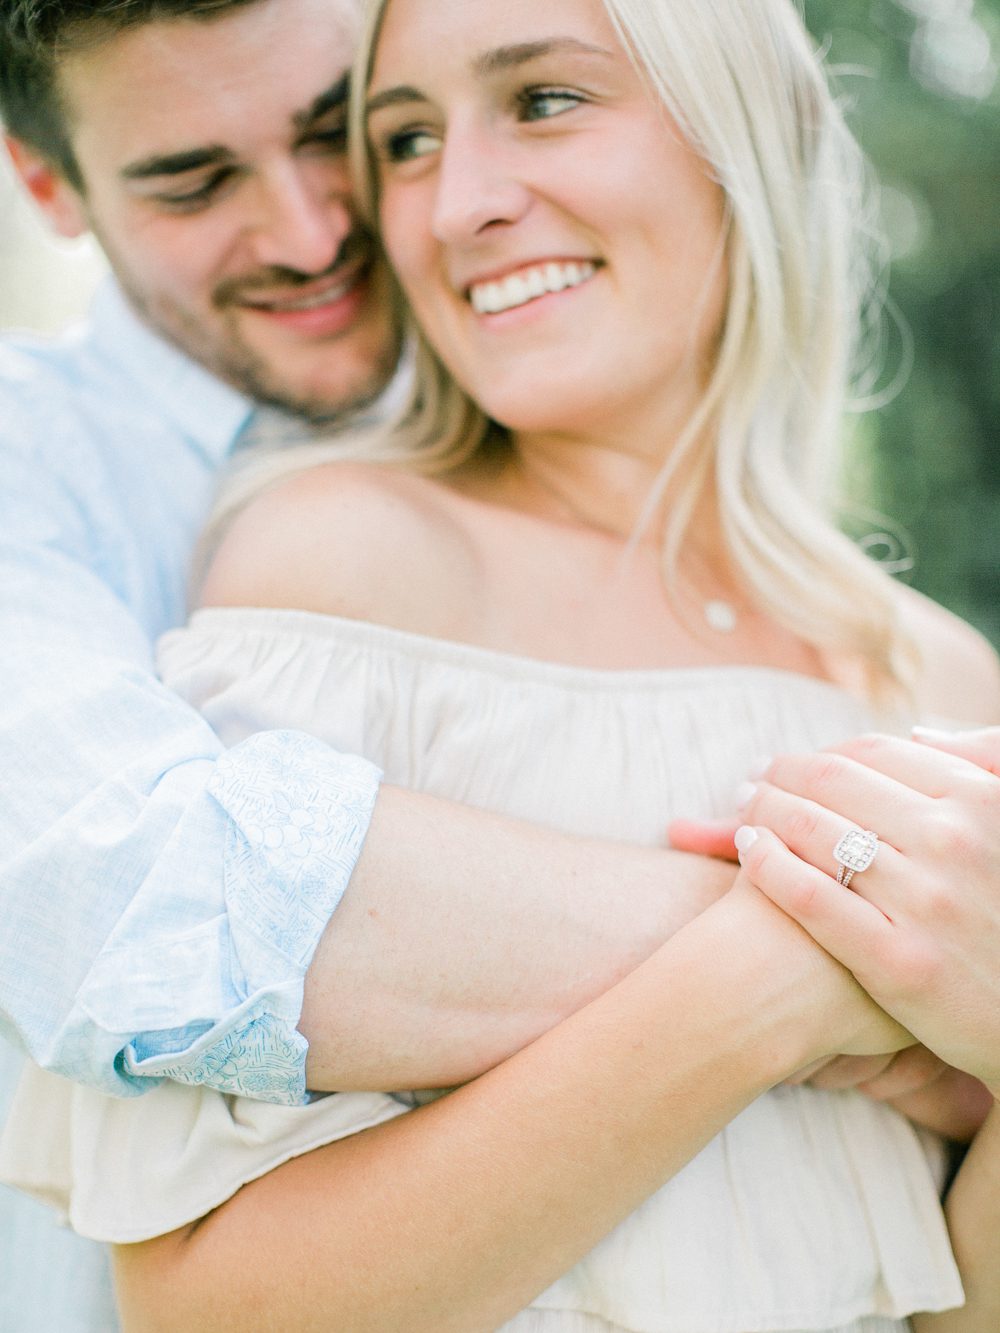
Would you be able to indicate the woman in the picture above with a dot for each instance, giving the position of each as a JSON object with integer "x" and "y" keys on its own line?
{"x": 622, "y": 229}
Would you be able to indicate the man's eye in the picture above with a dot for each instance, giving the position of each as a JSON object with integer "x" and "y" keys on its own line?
{"x": 407, "y": 145}
{"x": 191, "y": 200}
{"x": 332, "y": 140}
{"x": 544, "y": 103}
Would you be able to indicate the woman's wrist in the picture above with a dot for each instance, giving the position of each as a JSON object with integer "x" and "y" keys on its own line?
{"x": 766, "y": 966}
{"x": 809, "y": 1002}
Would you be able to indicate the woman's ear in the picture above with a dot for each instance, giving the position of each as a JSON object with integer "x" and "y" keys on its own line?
{"x": 58, "y": 200}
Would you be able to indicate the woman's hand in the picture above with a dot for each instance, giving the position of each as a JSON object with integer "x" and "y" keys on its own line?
{"x": 826, "y": 1013}
{"x": 919, "y": 929}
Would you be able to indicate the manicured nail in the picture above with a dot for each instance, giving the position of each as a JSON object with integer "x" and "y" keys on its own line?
{"x": 745, "y": 793}
{"x": 760, "y": 766}
{"x": 932, "y": 734}
{"x": 745, "y": 839}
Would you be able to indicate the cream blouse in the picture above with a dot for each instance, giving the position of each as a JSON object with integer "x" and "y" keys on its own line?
{"x": 810, "y": 1211}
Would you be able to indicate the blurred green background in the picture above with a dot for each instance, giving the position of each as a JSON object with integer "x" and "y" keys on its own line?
{"x": 921, "y": 81}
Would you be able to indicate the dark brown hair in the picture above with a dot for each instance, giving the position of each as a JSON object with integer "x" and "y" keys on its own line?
{"x": 36, "y": 34}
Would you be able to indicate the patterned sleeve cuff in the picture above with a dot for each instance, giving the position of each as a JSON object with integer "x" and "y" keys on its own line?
{"x": 297, "y": 816}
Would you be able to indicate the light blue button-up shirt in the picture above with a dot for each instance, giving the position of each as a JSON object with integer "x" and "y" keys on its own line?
{"x": 160, "y": 898}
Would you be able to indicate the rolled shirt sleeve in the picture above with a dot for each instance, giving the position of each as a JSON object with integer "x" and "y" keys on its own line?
{"x": 161, "y": 897}
{"x": 292, "y": 816}
{"x": 201, "y": 978}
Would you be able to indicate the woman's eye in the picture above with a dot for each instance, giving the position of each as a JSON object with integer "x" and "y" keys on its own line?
{"x": 407, "y": 145}
{"x": 544, "y": 103}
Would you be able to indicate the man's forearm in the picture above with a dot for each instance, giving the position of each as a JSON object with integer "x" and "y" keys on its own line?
{"x": 464, "y": 935}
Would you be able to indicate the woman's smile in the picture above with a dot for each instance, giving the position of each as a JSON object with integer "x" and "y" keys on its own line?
{"x": 528, "y": 284}
{"x": 560, "y": 243}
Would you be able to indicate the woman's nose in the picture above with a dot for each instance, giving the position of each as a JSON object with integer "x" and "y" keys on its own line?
{"x": 478, "y": 188}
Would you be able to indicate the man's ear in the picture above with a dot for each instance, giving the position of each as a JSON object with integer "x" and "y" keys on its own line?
{"x": 49, "y": 188}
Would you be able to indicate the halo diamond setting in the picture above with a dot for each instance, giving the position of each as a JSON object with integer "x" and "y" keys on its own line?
{"x": 854, "y": 853}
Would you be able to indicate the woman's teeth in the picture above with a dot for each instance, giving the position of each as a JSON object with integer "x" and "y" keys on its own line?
{"x": 491, "y": 298}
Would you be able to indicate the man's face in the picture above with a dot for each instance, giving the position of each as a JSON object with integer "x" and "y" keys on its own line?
{"x": 215, "y": 174}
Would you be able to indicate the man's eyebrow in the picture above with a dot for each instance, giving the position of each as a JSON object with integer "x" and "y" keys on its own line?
{"x": 176, "y": 164}
{"x": 335, "y": 96}
{"x": 495, "y": 62}
{"x": 214, "y": 155}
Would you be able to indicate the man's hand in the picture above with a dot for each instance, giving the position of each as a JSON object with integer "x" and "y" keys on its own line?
{"x": 916, "y": 1083}
{"x": 711, "y": 838}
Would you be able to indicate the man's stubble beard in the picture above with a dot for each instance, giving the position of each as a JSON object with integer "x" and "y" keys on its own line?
{"x": 228, "y": 357}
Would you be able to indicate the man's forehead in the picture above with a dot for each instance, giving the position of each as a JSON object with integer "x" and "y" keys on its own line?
{"x": 261, "y": 70}
{"x": 174, "y": 161}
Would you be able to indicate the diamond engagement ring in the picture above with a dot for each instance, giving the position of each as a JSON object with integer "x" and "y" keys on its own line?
{"x": 855, "y": 852}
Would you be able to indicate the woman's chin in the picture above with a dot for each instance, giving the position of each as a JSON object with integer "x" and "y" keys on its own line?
{"x": 538, "y": 411}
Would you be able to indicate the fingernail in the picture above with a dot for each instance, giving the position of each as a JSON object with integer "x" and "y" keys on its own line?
{"x": 760, "y": 766}
{"x": 931, "y": 734}
{"x": 745, "y": 793}
{"x": 745, "y": 839}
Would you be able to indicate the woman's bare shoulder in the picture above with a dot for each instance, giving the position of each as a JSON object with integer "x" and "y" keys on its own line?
{"x": 365, "y": 541}
{"x": 960, "y": 677}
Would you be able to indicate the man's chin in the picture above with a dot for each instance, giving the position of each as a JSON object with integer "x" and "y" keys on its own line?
{"x": 323, "y": 383}
{"x": 319, "y": 399}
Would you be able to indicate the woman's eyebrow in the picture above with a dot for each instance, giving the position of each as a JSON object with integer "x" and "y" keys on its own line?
{"x": 393, "y": 97}
{"x": 520, "y": 53}
{"x": 496, "y": 61}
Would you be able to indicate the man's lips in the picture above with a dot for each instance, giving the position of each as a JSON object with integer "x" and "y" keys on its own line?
{"x": 322, "y": 308}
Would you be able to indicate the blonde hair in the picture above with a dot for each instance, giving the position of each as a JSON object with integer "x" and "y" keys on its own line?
{"x": 742, "y": 82}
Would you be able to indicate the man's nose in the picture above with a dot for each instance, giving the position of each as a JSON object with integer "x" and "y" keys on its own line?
{"x": 304, "y": 217}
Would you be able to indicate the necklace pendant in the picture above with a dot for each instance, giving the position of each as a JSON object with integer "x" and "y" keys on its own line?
{"x": 720, "y": 616}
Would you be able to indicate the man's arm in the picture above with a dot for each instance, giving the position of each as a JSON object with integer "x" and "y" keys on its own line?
{"x": 148, "y": 928}
{"x": 464, "y": 935}
{"x": 128, "y": 875}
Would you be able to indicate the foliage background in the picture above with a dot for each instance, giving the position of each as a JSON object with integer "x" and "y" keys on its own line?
{"x": 921, "y": 80}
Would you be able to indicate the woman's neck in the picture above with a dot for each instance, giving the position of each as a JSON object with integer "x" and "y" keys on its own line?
{"x": 581, "y": 484}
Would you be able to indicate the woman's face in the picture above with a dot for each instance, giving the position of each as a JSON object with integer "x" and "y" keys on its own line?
{"x": 559, "y": 242}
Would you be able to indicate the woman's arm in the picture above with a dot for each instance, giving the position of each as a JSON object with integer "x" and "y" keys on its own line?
{"x": 454, "y": 1217}
{"x": 973, "y": 1211}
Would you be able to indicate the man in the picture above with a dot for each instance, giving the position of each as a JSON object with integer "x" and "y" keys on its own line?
{"x": 148, "y": 930}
